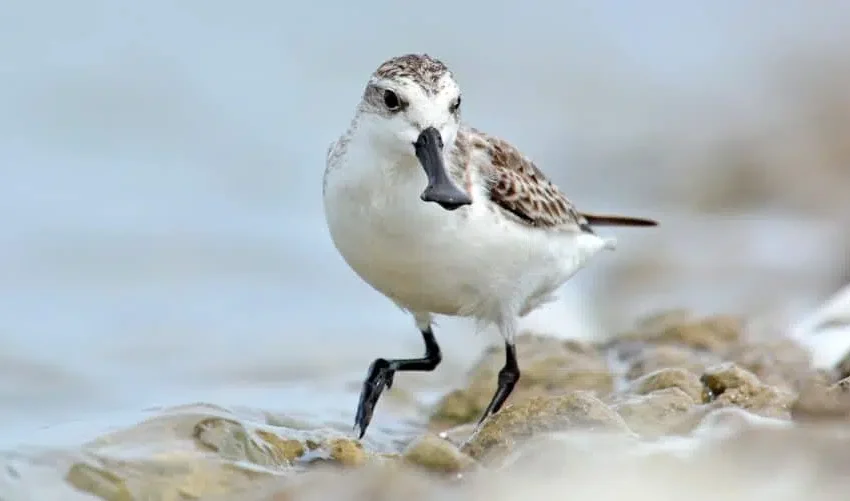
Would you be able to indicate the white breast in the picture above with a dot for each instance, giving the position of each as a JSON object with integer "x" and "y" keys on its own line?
{"x": 465, "y": 262}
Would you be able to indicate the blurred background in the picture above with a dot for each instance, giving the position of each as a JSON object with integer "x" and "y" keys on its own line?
{"x": 163, "y": 240}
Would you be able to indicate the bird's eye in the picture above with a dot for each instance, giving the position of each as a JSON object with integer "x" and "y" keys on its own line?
{"x": 391, "y": 100}
{"x": 455, "y": 105}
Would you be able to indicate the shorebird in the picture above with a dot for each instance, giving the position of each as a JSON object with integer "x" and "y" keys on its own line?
{"x": 444, "y": 219}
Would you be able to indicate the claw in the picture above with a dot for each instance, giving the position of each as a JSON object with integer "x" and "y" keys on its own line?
{"x": 380, "y": 376}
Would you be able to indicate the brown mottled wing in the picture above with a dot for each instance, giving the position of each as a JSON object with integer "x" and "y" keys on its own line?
{"x": 521, "y": 189}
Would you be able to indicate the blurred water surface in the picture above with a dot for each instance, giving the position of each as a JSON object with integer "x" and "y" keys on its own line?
{"x": 160, "y": 181}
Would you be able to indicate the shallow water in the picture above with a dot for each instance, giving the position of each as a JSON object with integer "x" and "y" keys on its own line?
{"x": 162, "y": 239}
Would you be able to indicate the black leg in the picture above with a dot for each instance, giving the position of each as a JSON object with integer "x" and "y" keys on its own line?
{"x": 508, "y": 377}
{"x": 381, "y": 374}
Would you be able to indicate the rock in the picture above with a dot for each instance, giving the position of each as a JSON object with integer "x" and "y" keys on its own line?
{"x": 514, "y": 423}
{"x": 661, "y": 320}
{"x": 550, "y": 366}
{"x": 729, "y": 384}
{"x": 662, "y": 379}
{"x": 713, "y": 334}
{"x": 347, "y": 452}
{"x": 437, "y": 455}
{"x": 231, "y": 440}
{"x": 778, "y": 362}
{"x": 458, "y": 434}
{"x": 161, "y": 479}
{"x": 99, "y": 482}
{"x": 656, "y": 413}
{"x": 654, "y": 357}
{"x": 343, "y": 452}
{"x": 283, "y": 449}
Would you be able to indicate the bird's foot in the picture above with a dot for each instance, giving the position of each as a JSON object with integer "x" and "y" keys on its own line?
{"x": 380, "y": 376}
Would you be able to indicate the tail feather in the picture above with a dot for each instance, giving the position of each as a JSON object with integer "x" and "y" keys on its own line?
{"x": 611, "y": 220}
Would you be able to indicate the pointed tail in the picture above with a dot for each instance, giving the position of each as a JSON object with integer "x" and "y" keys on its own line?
{"x": 610, "y": 220}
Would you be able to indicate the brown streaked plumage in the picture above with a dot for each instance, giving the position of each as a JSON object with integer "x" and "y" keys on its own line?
{"x": 521, "y": 190}
{"x": 423, "y": 69}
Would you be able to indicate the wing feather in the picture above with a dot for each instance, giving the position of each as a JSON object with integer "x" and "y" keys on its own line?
{"x": 522, "y": 191}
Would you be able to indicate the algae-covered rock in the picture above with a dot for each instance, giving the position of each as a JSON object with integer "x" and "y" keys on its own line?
{"x": 686, "y": 381}
{"x": 436, "y": 454}
{"x": 729, "y": 384}
{"x": 656, "y": 413}
{"x": 514, "y": 423}
{"x": 550, "y": 366}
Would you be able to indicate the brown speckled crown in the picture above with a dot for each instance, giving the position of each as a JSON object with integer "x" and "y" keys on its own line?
{"x": 420, "y": 68}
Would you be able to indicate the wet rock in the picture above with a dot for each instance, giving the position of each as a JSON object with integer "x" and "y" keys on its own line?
{"x": 656, "y": 413}
{"x": 730, "y": 385}
{"x": 343, "y": 452}
{"x": 347, "y": 452}
{"x": 515, "y": 423}
{"x": 231, "y": 440}
{"x": 161, "y": 479}
{"x": 283, "y": 449}
{"x": 686, "y": 381}
{"x": 458, "y": 434}
{"x": 654, "y": 357}
{"x": 550, "y": 366}
{"x": 437, "y": 455}
{"x": 99, "y": 482}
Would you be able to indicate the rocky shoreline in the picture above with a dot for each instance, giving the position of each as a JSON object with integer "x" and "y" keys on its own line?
{"x": 695, "y": 401}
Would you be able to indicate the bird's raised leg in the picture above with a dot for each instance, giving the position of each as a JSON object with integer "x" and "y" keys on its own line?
{"x": 382, "y": 371}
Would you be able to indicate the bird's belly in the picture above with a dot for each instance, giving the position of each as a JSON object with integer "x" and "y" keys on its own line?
{"x": 465, "y": 262}
{"x": 416, "y": 268}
